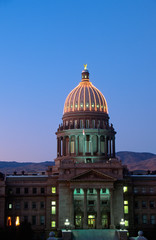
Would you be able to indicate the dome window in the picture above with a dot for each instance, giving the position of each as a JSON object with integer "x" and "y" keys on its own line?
{"x": 92, "y": 104}
{"x": 81, "y": 105}
{"x": 87, "y": 105}
{"x": 76, "y": 105}
{"x": 71, "y": 106}
{"x": 98, "y": 106}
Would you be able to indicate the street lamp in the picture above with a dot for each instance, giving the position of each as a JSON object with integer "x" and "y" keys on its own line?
{"x": 122, "y": 224}
{"x": 67, "y": 223}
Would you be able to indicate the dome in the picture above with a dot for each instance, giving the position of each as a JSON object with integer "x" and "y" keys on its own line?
{"x": 85, "y": 97}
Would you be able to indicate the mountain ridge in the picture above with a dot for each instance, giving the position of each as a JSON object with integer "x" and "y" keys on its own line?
{"x": 134, "y": 161}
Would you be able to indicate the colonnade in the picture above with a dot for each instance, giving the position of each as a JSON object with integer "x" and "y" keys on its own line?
{"x": 98, "y": 210}
{"x": 70, "y": 145}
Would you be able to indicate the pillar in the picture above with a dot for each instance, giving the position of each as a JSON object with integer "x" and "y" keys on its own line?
{"x": 76, "y": 144}
{"x": 64, "y": 146}
{"x": 59, "y": 146}
{"x": 99, "y": 147}
{"x": 111, "y": 210}
{"x": 84, "y": 144}
{"x": 69, "y": 145}
{"x": 110, "y": 147}
{"x": 85, "y": 224}
{"x": 114, "y": 146}
{"x": 106, "y": 146}
{"x": 98, "y": 225}
{"x": 91, "y": 137}
{"x": 72, "y": 208}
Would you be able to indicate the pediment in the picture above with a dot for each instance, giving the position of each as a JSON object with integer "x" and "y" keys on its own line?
{"x": 93, "y": 175}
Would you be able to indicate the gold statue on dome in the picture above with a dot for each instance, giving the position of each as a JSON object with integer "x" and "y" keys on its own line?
{"x": 85, "y": 66}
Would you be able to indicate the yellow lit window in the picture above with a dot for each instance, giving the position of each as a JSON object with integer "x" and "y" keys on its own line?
{"x": 53, "y": 190}
{"x": 125, "y": 209}
{"x": 53, "y": 210}
{"x": 125, "y": 202}
{"x": 53, "y": 224}
{"x": 53, "y": 202}
{"x": 125, "y": 189}
{"x": 126, "y": 223}
{"x": 17, "y": 221}
{"x": 8, "y": 221}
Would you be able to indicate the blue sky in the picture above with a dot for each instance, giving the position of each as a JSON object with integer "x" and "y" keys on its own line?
{"x": 43, "y": 46}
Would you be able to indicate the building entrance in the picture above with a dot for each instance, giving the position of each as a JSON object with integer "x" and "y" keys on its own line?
{"x": 91, "y": 221}
{"x": 78, "y": 221}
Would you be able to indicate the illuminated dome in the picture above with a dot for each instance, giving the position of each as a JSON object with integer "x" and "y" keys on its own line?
{"x": 85, "y": 97}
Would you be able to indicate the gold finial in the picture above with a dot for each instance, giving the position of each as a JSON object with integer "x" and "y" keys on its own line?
{"x": 85, "y": 66}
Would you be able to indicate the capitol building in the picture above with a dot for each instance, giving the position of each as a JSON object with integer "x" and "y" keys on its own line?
{"x": 88, "y": 185}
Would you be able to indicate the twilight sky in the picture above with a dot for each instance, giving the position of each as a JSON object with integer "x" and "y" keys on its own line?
{"x": 43, "y": 46}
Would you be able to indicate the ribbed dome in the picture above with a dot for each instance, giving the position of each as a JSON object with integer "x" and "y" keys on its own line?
{"x": 85, "y": 97}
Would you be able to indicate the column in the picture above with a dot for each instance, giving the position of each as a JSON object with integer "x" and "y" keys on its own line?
{"x": 106, "y": 146}
{"x": 57, "y": 147}
{"x": 64, "y": 146}
{"x": 72, "y": 208}
{"x": 99, "y": 147}
{"x": 85, "y": 224}
{"x": 111, "y": 210}
{"x": 114, "y": 146}
{"x": 76, "y": 144}
{"x": 110, "y": 147}
{"x": 69, "y": 145}
{"x": 60, "y": 147}
{"x": 98, "y": 225}
{"x": 91, "y": 137}
{"x": 84, "y": 138}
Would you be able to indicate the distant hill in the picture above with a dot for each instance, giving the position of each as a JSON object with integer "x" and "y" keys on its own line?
{"x": 134, "y": 161}
{"x": 138, "y": 161}
{"x": 31, "y": 167}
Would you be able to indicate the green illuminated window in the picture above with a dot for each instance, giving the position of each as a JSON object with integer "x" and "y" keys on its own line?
{"x": 53, "y": 189}
{"x": 53, "y": 210}
{"x": 10, "y": 206}
{"x": 125, "y": 189}
{"x": 126, "y": 223}
{"x": 125, "y": 209}
{"x": 53, "y": 224}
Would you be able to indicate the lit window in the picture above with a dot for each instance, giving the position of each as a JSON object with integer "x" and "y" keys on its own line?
{"x": 53, "y": 210}
{"x": 125, "y": 202}
{"x": 76, "y": 105}
{"x": 126, "y": 223}
{"x": 10, "y": 206}
{"x": 53, "y": 224}
{"x": 125, "y": 209}
{"x": 8, "y": 221}
{"x": 92, "y": 104}
{"x": 97, "y": 106}
{"x": 53, "y": 202}
{"x": 53, "y": 189}
{"x": 87, "y": 105}
{"x": 125, "y": 189}
{"x": 81, "y": 104}
{"x": 17, "y": 221}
